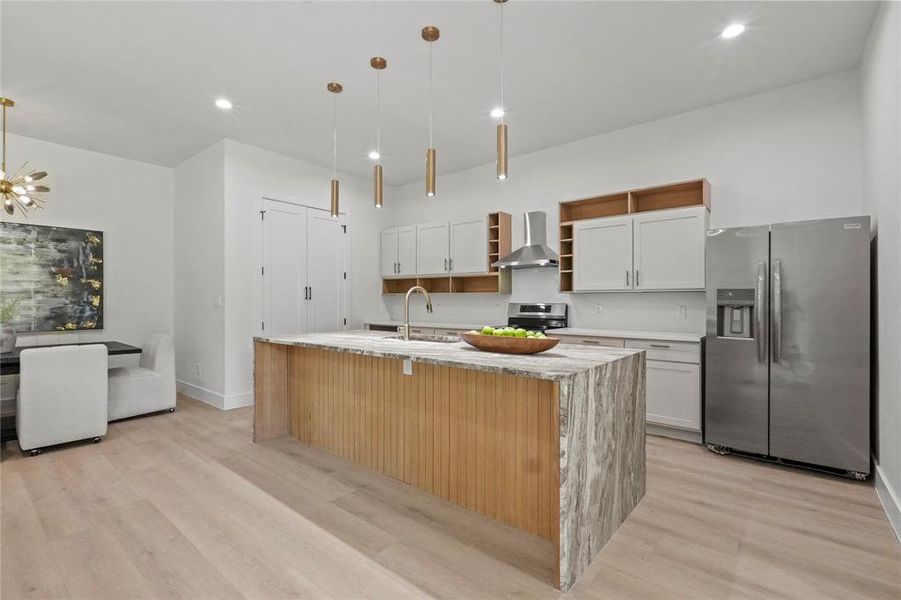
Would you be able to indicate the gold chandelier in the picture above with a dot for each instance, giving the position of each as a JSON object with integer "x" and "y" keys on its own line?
{"x": 18, "y": 190}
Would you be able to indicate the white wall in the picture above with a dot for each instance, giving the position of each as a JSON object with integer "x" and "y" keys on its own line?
{"x": 881, "y": 110}
{"x": 250, "y": 174}
{"x": 132, "y": 203}
{"x": 200, "y": 274}
{"x": 789, "y": 154}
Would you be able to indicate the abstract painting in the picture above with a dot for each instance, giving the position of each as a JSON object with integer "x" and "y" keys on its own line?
{"x": 54, "y": 275}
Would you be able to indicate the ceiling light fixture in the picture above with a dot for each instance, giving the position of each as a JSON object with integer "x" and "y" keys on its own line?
{"x": 734, "y": 30}
{"x": 499, "y": 111}
{"x": 430, "y": 33}
{"x": 224, "y": 104}
{"x": 17, "y": 189}
{"x": 378, "y": 63}
{"x": 335, "y": 88}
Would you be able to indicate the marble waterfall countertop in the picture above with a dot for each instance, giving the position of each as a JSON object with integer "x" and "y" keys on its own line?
{"x": 560, "y": 363}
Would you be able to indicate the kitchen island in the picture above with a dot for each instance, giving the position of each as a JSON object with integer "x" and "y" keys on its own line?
{"x": 551, "y": 443}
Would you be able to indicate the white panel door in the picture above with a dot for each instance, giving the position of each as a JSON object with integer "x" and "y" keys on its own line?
{"x": 284, "y": 270}
{"x": 389, "y": 252}
{"x": 432, "y": 248}
{"x": 325, "y": 268}
{"x": 406, "y": 250}
{"x": 469, "y": 245}
{"x": 674, "y": 394}
{"x": 669, "y": 249}
{"x": 603, "y": 254}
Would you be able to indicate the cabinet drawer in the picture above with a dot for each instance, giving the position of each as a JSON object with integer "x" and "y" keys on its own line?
{"x": 451, "y": 332}
{"x": 687, "y": 352}
{"x": 593, "y": 341}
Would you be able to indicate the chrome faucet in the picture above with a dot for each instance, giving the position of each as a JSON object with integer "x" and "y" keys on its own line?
{"x": 405, "y": 328}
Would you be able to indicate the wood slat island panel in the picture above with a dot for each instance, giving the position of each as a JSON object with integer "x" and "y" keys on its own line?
{"x": 486, "y": 441}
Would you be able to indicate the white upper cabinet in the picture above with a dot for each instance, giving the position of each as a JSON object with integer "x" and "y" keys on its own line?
{"x": 432, "y": 248}
{"x": 469, "y": 245}
{"x": 603, "y": 254}
{"x": 389, "y": 256}
{"x": 406, "y": 250}
{"x": 669, "y": 249}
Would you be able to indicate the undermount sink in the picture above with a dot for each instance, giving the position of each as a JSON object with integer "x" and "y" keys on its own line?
{"x": 440, "y": 339}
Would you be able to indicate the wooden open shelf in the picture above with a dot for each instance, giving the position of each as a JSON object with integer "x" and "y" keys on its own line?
{"x": 683, "y": 194}
{"x": 495, "y": 281}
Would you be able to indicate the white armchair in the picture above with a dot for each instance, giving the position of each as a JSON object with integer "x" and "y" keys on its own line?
{"x": 62, "y": 395}
{"x": 147, "y": 388}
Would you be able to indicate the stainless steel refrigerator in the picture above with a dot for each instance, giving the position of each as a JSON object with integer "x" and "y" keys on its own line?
{"x": 788, "y": 343}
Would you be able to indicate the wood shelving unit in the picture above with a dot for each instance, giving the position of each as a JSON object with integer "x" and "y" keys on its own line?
{"x": 662, "y": 197}
{"x": 494, "y": 281}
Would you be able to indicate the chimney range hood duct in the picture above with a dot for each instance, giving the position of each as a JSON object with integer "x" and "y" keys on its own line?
{"x": 535, "y": 251}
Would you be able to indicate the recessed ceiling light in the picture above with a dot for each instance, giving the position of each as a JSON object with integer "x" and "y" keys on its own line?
{"x": 497, "y": 112}
{"x": 224, "y": 104}
{"x": 374, "y": 155}
{"x": 734, "y": 30}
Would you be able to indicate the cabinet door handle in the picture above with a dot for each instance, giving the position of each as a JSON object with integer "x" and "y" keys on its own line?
{"x": 659, "y": 345}
{"x": 627, "y": 278}
{"x": 445, "y": 264}
{"x": 595, "y": 342}
{"x": 451, "y": 262}
{"x": 636, "y": 278}
{"x": 311, "y": 293}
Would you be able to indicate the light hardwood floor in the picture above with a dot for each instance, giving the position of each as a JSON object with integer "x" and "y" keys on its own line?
{"x": 183, "y": 505}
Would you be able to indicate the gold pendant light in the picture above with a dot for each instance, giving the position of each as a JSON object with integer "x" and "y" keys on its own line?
{"x": 17, "y": 190}
{"x": 378, "y": 63}
{"x": 502, "y": 127}
{"x": 335, "y": 88}
{"x": 430, "y": 33}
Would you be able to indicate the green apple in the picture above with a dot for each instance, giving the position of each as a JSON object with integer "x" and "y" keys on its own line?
{"x": 520, "y": 333}
{"x": 500, "y": 332}
{"x": 487, "y": 330}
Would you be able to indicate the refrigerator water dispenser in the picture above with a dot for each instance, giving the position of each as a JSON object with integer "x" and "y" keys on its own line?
{"x": 735, "y": 313}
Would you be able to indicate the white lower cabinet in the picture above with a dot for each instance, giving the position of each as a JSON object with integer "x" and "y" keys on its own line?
{"x": 674, "y": 394}
{"x": 673, "y": 385}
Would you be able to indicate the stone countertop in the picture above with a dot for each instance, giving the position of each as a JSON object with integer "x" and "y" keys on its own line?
{"x": 563, "y": 362}
{"x": 461, "y": 327}
{"x": 629, "y": 334}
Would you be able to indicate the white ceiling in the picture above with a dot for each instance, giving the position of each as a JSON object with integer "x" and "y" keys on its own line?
{"x": 138, "y": 80}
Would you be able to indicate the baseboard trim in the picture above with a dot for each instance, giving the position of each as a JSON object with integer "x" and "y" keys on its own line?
{"x": 238, "y": 400}
{"x": 220, "y": 401}
{"x": 201, "y": 393}
{"x": 686, "y": 435}
{"x": 891, "y": 502}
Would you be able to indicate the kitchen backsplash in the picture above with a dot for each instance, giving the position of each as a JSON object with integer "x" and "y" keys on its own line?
{"x": 652, "y": 311}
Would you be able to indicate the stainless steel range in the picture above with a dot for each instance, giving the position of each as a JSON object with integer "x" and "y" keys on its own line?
{"x": 536, "y": 316}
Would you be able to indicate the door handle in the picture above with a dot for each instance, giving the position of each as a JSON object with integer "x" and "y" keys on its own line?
{"x": 760, "y": 322}
{"x": 627, "y": 277}
{"x": 777, "y": 311}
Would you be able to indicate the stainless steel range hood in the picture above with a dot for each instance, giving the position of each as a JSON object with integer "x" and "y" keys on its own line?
{"x": 535, "y": 251}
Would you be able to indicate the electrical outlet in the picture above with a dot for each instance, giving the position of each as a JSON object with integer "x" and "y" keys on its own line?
{"x": 600, "y": 309}
{"x": 199, "y": 369}
{"x": 682, "y": 311}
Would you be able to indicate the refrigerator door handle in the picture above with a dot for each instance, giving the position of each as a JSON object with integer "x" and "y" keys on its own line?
{"x": 777, "y": 311}
{"x": 760, "y": 301}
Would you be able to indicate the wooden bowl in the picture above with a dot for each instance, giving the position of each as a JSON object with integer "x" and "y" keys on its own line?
{"x": 509, "y": 345}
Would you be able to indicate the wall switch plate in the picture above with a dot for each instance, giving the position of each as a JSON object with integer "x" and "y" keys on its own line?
{"x": 408, "y": 366}
{"x": 600, "y": 309}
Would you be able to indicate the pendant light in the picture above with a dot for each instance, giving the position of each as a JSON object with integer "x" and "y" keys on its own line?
{"x": 18, "y": 190}
{"x": 335, "y": 88}
{"x": 378, "y": 63}
{"x": 430, "y": 33}
{"x": 502, "y": 126}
